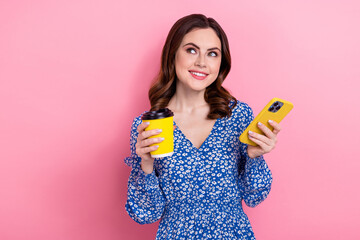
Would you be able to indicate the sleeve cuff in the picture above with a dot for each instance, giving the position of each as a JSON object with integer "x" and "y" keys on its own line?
{"x": 251, "y": 161}
{"x": 150, "y": 180}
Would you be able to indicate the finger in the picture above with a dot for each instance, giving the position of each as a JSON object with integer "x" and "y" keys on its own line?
{"x": 266, "y": 131}
{"x": 260, "y": 137}
{"x": 261, "y": 144}
{"x": 149, "y": 133}
{"x": 147, "y": 150}
{"x": 149, "y": 141}
{"x": 276, "y": 126}
{"x": 142, "y": 127}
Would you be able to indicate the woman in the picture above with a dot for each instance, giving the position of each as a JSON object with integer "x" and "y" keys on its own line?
{"x": 198, "y": 191}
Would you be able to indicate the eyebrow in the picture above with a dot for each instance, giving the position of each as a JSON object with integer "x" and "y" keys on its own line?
{"x": 193, "y": 44}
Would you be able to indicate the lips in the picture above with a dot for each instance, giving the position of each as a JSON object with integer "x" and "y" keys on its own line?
{"x": 198, "y": 75}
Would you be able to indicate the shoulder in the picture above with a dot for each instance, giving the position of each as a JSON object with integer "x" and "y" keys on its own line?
{"x": 241, "y": 109}
{"x": 241, "y": 116}
{"x": 136, "y": 122}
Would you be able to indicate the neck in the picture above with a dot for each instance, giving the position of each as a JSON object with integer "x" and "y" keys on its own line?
{"x": 187, "y": 100}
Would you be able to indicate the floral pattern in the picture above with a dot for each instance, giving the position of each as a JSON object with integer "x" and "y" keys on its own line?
{"x": 198, "y": 193}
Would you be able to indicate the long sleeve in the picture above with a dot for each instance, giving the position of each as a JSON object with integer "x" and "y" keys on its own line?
{"x": 145, "y": 199}
{"x": 255, "y": 176}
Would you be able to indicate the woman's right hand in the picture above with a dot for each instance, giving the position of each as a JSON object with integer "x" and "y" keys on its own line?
{"x": 143, "y": 147}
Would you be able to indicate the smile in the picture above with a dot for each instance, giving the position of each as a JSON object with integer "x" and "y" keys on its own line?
{"x": 198, "y": 75}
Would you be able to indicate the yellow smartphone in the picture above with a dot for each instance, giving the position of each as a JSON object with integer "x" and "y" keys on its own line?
{"x": 275, "y": 110}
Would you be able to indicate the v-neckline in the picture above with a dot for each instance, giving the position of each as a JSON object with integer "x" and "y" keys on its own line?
{"x": 206, "y": 139}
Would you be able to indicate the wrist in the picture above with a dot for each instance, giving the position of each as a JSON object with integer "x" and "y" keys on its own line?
{"x": 147, "y": 166}
{"x": 251, "y": 154}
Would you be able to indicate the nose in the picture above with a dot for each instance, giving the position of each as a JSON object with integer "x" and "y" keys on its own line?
{"x": 200, "y": 61}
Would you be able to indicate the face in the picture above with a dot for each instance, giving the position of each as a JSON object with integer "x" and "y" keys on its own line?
{"x": 198, "y": 59}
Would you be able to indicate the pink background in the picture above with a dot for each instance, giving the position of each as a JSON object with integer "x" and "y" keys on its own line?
{"x": 73, "y": 75}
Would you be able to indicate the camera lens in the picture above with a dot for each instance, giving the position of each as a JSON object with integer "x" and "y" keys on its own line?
{"x": 271, "y": 109}
{"x": 276, "y": 103}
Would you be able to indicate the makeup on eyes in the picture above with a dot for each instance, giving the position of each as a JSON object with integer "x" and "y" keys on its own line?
{"x": 189, "y": 50}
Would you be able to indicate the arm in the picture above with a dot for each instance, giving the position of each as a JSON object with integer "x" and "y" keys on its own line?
{"x": 145, "y": 199}
{"x": 255, "y": 180}
{"x": 255, "y": 176}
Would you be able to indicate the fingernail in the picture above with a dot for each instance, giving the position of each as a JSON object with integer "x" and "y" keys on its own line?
{"x": 147, "y": 123}
{"x": 270, "y": 121}
{"x": 156, "y": 146}
{"x": 259, "y": 123}
{"x": 251, "y": 132}
{"x": 161, "y": 139}
{"x": 159, "y": 130}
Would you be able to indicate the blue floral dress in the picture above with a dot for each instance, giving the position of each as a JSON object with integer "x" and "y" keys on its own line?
{"x": 198, "y": 193}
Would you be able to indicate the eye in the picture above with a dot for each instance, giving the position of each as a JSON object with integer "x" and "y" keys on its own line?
{"x": 213, "y": 54}
{"x": 191, "y": 50}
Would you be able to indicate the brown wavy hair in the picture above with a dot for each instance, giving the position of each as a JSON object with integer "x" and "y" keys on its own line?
{"x": 164, "y": 86}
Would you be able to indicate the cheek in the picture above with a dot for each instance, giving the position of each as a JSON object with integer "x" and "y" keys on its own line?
{"x": 183, "y": 61}
{"x": 180, "y": 67}
{"x": 215, "y": 66}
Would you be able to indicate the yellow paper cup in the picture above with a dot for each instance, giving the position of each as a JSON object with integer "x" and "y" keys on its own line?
{"x": 161, "y": 119}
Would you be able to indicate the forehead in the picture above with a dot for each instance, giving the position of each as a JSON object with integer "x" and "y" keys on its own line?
{"x": 204, "y": 38}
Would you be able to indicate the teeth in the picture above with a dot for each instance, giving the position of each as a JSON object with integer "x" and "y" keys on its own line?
{"x": 198, "y": 74}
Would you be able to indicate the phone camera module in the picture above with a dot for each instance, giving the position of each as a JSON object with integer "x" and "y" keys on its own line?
{"x": 276, "y": 106}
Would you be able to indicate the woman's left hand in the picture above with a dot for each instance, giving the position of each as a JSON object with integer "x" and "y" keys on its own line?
{"x": 265, "y": 143}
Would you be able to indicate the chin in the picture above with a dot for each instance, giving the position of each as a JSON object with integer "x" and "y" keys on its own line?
{"x": 199, "y": 88}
